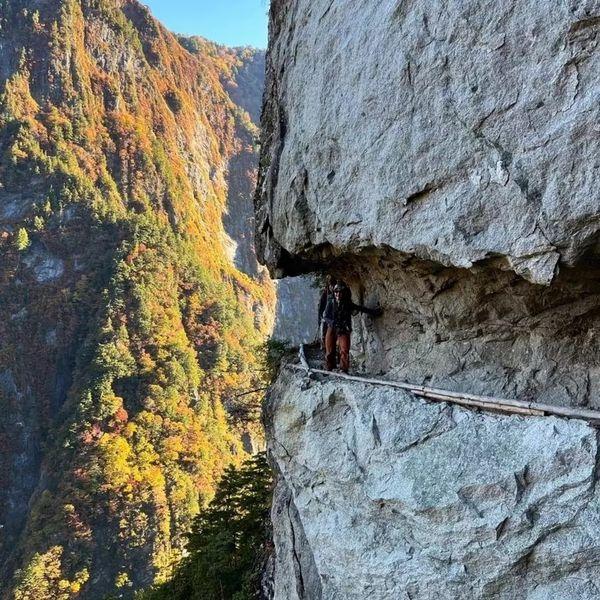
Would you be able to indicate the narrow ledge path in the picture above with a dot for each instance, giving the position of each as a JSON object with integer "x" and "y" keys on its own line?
{"x": 503, "y": 405}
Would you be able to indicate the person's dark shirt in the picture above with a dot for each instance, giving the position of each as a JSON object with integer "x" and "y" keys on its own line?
{"x": 339, "y": 314}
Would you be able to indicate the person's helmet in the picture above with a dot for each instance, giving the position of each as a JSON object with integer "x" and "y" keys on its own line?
{"x": 339, "y": 287}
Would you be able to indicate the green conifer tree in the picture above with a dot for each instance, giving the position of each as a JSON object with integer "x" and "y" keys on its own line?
{"x": 228, "y": 545}
{"x": 21, "y": 240}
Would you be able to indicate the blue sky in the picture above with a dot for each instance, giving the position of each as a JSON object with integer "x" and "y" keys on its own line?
{"x": 229, "y": 22}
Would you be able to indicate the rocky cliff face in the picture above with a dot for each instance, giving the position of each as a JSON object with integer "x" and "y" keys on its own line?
{"x": 384, "y": 496}
{"x": 447, "y": 172}
{"x": 477, "y": 112}
{"x": 441, "y": 157}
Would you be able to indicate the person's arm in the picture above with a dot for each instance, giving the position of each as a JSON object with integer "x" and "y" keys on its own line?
{"x": 374, "y": 312}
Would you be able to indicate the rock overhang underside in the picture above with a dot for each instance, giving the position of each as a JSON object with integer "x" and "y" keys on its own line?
{"x": 454, "y": 132}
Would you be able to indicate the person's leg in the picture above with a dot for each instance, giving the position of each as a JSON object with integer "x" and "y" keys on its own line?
{"x": 344, "y": 346}
{"x": 330, "y": 349}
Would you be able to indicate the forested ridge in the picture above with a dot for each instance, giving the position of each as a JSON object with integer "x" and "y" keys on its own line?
{"x": 127, "y": 334}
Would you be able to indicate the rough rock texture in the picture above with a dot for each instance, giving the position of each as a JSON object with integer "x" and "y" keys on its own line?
{"x": 482, "y": 330}
{"x": 384, "y": 496}
{"x": 442, "y": 157}
{"x": 383, "y": 116}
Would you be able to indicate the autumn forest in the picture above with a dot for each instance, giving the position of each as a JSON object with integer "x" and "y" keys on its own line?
{"x": 133, "y": 314}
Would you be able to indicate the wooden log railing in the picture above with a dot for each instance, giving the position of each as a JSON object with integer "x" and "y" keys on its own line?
{"x": 519, "y": 407}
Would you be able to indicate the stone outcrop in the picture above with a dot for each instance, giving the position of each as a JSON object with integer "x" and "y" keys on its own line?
{"x": 383, "y": 496}
{"x": 383, "y": 117}
{"x": 442, "y": 158}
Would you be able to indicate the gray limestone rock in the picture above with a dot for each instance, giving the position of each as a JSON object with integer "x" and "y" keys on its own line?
{"x": 443, "y": 158}
{"x": 384, "y": 496}
{"x": 452, "y": 131}
{"x": 480, "y": 330}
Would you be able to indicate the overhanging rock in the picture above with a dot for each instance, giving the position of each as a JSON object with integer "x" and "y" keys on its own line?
{"x": 452, "y": 131}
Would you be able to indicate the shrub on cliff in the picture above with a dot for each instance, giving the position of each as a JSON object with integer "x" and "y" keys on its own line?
{"x": 272, "y": 355}
{"x": 22, "y": 240}
{"x": 43, "y": 578}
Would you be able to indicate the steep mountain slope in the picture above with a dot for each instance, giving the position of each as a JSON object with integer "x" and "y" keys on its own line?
{"x": 442, "y": 157}
{"x": 124, "y": 326}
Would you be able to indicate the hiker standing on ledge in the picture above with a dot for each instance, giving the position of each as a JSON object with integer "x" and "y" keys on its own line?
{"x": 338, "y": 320}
